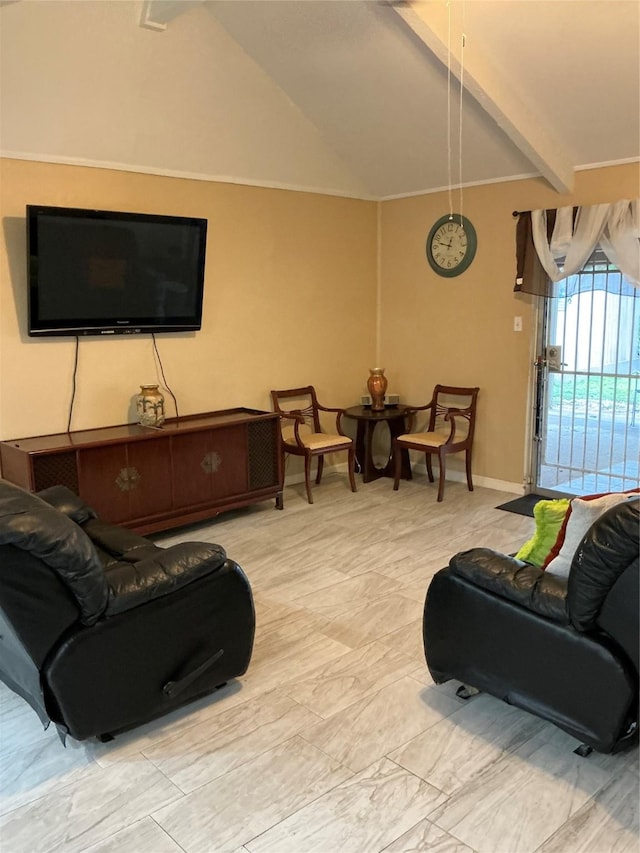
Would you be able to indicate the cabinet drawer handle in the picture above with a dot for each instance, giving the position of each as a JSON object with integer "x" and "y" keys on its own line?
{"x": 211, "y": 462}
{"x": 128, "y": 479}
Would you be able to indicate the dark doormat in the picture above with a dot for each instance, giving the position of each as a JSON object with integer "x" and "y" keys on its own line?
{"x": 523, "y": 505}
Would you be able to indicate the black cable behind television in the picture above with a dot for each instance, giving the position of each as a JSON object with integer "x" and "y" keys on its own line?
{"x": 99, "y": 272}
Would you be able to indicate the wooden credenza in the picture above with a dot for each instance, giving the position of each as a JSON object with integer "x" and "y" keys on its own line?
{"x": 150, "y": 479}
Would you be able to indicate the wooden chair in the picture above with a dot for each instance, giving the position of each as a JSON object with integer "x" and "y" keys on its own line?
{"x": 302, "y": 433}
{"x": 451, "y": 426}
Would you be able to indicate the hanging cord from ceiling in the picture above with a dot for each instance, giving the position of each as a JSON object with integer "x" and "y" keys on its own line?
{"x": 449, "y": 121}
{"x": 449, "y": 169}
{"x": 164, "y": 380}
{"x": 463, "y": 39}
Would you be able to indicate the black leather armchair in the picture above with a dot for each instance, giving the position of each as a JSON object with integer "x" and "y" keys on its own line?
{"x": 564, "y": 649}
{"x": 100, "y": 629}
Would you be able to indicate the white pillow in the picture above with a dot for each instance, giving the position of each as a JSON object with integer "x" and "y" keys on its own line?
{"x": 583, "y": 514}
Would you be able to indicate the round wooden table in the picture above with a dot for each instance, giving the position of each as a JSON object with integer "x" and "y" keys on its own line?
{"x": 368, "y": 420}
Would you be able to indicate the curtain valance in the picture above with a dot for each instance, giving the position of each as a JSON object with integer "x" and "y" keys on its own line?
{"x": 552, "y": 245}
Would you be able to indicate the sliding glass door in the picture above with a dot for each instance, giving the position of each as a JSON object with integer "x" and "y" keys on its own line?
{"x": 587, "y": 415}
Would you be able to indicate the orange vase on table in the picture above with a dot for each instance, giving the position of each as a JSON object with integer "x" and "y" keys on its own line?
{"x": 377, "y": 385}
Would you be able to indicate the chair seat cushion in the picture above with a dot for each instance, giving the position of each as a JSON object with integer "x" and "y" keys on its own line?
{"x": 428, "y": 439}
{"x": 320, "y": 440}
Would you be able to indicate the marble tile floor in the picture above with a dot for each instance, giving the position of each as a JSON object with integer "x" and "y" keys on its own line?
{"x": 336, "y": 739}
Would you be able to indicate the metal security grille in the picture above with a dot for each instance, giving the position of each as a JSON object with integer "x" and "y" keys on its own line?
{"x": 588, "y": 407}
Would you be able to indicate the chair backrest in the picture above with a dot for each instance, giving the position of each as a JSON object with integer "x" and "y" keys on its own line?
{"x": 447, "y": 398}
{"x": 609, "y": 548}
{"x": 301, "y": 400}
{"x": 40, "y": 574}
{"x": 33, "y": 524}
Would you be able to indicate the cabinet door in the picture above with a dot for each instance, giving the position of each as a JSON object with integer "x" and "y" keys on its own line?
{"x": 229, "y": 461}
{"x": 126, "y": 481}
{"x": 209, "y": 465}
{"x": 191, "y": 480}
{"x": 150, "y": 464}
{"x": 102, "y": 481}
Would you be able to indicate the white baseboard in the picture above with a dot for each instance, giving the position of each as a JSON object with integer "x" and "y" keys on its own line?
{"x": 487, "y": 482}
{"x": 421, "y": 468}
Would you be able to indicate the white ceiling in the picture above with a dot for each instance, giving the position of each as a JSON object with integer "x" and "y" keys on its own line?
{"x": 347, "y": 96}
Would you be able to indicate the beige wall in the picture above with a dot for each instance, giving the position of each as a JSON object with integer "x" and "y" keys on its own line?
{"x": 460, "y": 331}
{"x": 290, "y": 298}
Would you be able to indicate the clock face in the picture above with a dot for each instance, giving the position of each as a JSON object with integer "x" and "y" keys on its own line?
{"x": 451, "y": 245}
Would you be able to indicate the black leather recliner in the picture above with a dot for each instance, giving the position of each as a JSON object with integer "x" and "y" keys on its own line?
{"x": 100, "y": 629}
{"x": 564, "y": 649}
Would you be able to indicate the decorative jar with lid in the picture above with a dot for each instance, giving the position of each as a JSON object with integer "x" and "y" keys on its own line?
{"x": 150, "y": 406}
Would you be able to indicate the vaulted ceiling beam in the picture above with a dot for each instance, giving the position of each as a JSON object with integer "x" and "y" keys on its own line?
{"x": 156, "y": 14}
{"x": 430, "y": 22}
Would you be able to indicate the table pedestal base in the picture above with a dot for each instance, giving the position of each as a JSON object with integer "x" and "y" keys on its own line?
{"x": 368, "y": 420}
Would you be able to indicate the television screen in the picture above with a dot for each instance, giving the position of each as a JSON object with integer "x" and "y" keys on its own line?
{"x": 98, "y": 272}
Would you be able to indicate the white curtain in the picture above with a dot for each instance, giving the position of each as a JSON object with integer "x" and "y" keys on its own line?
{"x": 615, "y": 227}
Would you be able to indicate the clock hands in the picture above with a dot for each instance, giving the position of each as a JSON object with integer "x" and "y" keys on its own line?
{"x": 448, "y": 245}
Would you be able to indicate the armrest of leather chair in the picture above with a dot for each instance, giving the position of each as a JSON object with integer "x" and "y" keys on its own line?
{"x": 68, "y": 503}
{"x": 116, "y": 544}
{"x": 514, "y": 580}
{"x": 169, "y": 569}
{"x": 113, "y": 676}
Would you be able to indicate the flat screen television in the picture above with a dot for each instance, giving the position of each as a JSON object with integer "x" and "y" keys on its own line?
{"x": 99, "y": 272}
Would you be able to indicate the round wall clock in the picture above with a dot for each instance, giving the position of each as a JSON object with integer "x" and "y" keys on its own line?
{"x": 451, "y": 245}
